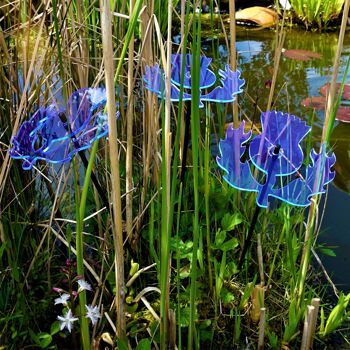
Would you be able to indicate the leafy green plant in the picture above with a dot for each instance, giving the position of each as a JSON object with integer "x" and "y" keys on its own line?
{"x": 336, "y": 317}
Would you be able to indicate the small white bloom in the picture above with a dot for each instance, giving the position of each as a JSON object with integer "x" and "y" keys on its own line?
{"x": 62, "y": 299}
{"x": 67, "y": 320}
{"x": 83, "y": 285}
{"x": 92, "y": 313}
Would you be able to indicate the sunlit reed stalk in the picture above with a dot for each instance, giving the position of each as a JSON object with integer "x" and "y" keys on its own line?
{"x": 166, "y": 161}
{"x": 149, "y": 117}
{"x": 106, "y": 24}
{"x": 326, "y": 132}
{"x": 233, "y": 55}
{"x": 129, "y": 135}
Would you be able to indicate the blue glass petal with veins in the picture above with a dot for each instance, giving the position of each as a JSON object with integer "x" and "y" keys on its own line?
{"x": 284, "y": 130}
{"x": 232, "y": 149}
{"x": 231, "y": 86}
{"x": 48, "y": 136}
{"x": 155, "y": 82}
{"x": 318, "y": 174}
{"x": 278, "y": 154}
{"x": 231, "y": 83}
{"x": 206, "y": 76}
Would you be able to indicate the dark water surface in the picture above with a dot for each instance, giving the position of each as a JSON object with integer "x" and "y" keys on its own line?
{"x": 296, "y": 81}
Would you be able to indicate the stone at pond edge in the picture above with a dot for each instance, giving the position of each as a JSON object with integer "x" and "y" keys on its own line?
{"x": 261, "y": 16}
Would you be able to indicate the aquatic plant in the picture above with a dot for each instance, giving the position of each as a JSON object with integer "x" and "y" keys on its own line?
{"x": 318, "y": 12}
{"x": 277, "y": 153}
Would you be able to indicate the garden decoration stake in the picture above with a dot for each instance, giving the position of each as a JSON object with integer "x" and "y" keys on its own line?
{"x": 48, "y": 136}
{"x": 277, "y": 154}
{"x": 231, "y": 85}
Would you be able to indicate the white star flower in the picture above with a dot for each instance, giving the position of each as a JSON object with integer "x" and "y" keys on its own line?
{"x": 67, "y": 320}
{"x": 62, "y": 299}
{"x": 92, "y": 313}
{"x": 83, "y": 285}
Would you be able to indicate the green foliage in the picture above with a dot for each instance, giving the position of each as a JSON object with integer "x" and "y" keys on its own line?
{"x": 316, "y": 12}
{"x": 336, "y": 317}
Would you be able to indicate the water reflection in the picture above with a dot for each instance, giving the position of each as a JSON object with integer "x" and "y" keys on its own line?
{"x": 340, "y": 141}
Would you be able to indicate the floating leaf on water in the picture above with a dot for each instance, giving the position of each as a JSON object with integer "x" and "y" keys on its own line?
{"x": 315, "y": 102}
{"x": 343, "y": 114}
{"x": 346, "y": 92}
{"x": 261, "y": 16}
{"x": 300, "y": 55}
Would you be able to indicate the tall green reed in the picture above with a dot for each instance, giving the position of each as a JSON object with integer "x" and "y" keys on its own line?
{"x": 166, "y": 194}
{"x": 195, "y": 137}
{"x": 330, "y": 114}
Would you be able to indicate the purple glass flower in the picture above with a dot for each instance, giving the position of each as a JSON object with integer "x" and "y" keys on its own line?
{"x": 48, "y": 135}
{"x": 230, "y": 81}
{"x": 277, "y": 153}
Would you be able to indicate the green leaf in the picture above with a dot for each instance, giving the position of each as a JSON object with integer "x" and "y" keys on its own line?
{"x": 134, "y": 268}
{"x": 327, "y": 251}
{"x": 185, "y": 317}
{"x": 55, "y": 328}
{"x": 122, "y": 344}
{"x": 229, "y": 222}
{"x": 144, "y": 344}
{"x": 226, "y": 296}
{"x": 45, "y": 340}
{"x": 228, "y": 245}
{"x": 220, "y": 238}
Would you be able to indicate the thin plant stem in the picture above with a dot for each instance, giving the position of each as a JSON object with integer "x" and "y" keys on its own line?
{"x": 195, "y": 158}
{"x": 207, "y": 195}
{"x": 80, "y": 245}
{"x": 129, "y": 135}
{"x": 166, "y": 161}
{"x": 106, "y": 22}
{"x": 233, "y": 55}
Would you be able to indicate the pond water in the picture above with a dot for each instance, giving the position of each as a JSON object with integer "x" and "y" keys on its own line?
{"x": 296, "y": 81}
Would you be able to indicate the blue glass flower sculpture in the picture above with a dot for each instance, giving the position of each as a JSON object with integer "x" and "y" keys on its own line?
{"x": 277, "y": 153}
{"x": 230, "y": 80}
{"x": 48, "y": 135}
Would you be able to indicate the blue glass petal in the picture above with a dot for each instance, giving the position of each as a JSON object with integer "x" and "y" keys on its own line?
{"x": 155, "y": 82}
{"x": 231, "y": 86}
{"x": 46, "y": 136}
{"x": 35, "y": 137}
{"x": 278, "y": 154}
{"x": 206, "y": 79}
{"x": 231, "y": 149}
{"x": 284, "y": 130}
{"x": 318, "y": 174}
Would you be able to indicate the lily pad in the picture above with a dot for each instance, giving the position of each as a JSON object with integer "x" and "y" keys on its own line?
{"x": 315, "y": 102}
{"x": 343, "y": 114}
{"x": 300, "y": 55}
{"x": 346, "y": 92}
